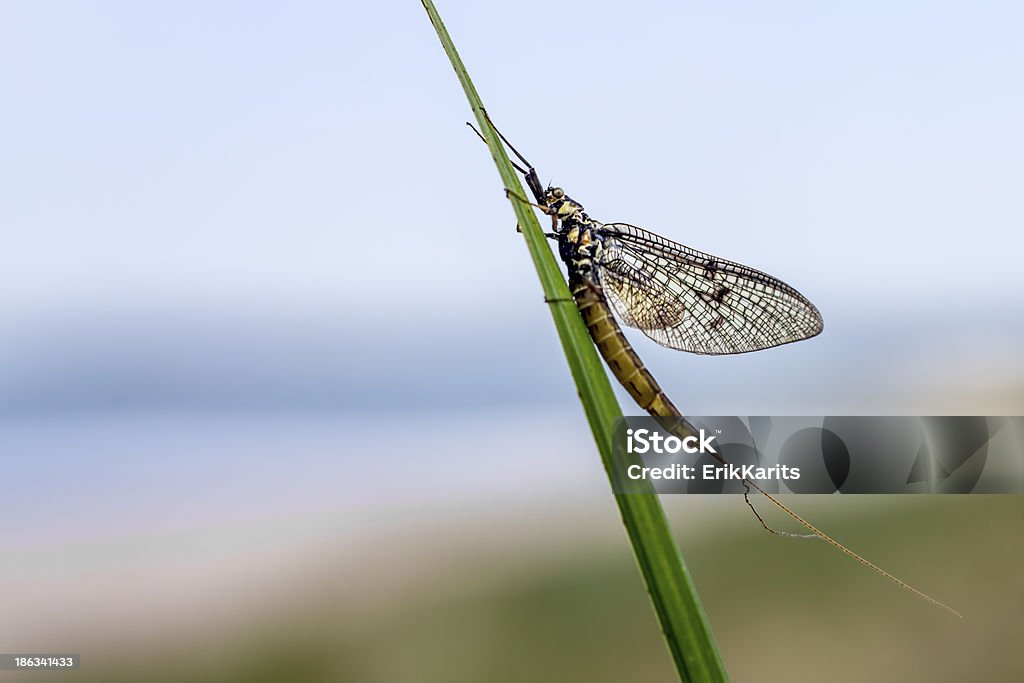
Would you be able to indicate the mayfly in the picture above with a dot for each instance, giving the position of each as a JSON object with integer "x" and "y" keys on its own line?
{"x": 679, "y": 297}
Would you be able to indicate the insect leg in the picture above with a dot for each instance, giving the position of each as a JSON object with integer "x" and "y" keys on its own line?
{"x": 505, "y": 140}
{"x": 484, "y": 140}
{"x": 526, "y": 173}
{"x": 529, "y": 173}
{"x": 554, "y": 216}
{"x": 511, "y": 194}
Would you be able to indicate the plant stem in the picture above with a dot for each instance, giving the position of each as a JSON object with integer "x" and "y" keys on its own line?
{"x": 672, "y": 592}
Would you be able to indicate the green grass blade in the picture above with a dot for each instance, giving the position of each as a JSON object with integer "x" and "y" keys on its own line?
{"x": 672, "y": 592}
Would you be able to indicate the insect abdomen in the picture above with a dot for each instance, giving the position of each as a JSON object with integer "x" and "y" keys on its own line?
{"x": 613, "y": 346}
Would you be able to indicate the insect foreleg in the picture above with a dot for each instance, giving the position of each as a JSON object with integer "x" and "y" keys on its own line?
{"x": 549, "y": 211}
{"x": 511, "y": 194}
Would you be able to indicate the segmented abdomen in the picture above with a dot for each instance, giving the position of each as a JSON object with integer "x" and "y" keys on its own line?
{"x": 625, "y": 364}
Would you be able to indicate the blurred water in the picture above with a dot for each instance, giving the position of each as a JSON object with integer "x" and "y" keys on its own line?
{"x": 89, "y": 477}
{"x": 945, "y": 361}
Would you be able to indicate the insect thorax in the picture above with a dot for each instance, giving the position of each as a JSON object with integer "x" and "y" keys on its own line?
{"x": 567, "y": 209}
{"x": 580, "y": 242}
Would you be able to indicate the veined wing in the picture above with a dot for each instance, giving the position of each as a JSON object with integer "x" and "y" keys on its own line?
{"x": 688, "y": 300}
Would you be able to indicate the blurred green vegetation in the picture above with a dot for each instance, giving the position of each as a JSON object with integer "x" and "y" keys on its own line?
{"x": 782, "y": 609}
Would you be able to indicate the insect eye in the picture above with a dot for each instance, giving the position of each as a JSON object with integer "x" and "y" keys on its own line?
{"x": 557, "y": 193}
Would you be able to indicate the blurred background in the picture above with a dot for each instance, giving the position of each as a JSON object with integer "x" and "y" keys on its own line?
{"x": 280, "y": 398}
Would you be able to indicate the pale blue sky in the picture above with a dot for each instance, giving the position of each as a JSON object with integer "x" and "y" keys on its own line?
{"x": 216, "y": 188}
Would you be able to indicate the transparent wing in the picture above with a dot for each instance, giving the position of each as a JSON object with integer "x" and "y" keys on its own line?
{"x": 688, "y": 300}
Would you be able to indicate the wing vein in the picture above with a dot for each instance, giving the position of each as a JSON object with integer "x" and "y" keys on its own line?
{"x": 688, "y": 300}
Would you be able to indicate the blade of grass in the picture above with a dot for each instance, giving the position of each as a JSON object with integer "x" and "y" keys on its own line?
{"x": 672, "y": 592}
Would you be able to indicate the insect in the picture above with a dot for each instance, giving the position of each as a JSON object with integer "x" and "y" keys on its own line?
{"x": 679, "y": 297}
